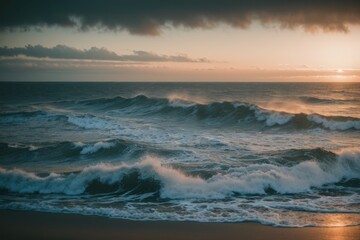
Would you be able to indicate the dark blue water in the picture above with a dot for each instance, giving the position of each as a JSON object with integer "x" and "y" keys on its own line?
{"x": 284, "y": 154}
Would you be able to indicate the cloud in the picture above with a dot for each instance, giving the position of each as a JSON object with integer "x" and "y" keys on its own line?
{"x": 94, "y": 53}
{"x": 148, "y": 17}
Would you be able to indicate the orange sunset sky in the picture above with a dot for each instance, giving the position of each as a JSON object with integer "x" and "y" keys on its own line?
{"x": 180, "y": 41}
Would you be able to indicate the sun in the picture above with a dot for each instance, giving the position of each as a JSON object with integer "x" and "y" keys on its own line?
{"x": 339, "y": 70}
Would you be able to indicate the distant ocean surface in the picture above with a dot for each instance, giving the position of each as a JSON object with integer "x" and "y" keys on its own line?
{"x": 282, "y": 154}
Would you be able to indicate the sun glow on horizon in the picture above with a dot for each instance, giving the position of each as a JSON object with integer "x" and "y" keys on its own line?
{"x": 215, "y": 54}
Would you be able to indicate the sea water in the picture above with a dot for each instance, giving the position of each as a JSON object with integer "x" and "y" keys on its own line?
{"x": 282, "y": 154}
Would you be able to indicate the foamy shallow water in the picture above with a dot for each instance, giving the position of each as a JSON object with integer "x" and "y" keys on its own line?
{"x": 279, "y": 154}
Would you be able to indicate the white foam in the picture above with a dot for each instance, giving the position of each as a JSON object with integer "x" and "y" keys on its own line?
{"x": 253, "y": 179}
{"x": 180, "y": 103}
{"x": 92, "y": 122}
{"x": 17, "y": 145}
{"x": 24, "y": 146}
{"x": 196, "y": 199}
{"x": 79, "y": 144}
{"x": 271, "y": 118}
{"x": 239, "y": 210}
{"x": 93, "y": 148}
{"x": 334, "y": 125}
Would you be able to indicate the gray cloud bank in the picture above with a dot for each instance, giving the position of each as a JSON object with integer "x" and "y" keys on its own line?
{"x": 94, "y": 53}
{"x": 148, "y": 16}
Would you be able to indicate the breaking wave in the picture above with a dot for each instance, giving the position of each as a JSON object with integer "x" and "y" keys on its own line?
{"x": 213, "y": 113}
{"x": 70, "y": 151}
{"x": 151, "y": 176}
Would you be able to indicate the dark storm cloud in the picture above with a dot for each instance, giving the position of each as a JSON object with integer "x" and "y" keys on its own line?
{"x": 148, "y": 16}
{"x": 94, "y": 53}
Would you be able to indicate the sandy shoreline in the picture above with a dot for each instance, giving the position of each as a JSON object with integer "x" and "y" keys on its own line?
{"x": 34, "y": 225}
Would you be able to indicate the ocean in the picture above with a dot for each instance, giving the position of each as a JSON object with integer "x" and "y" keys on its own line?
{"x": 281, "y": 154}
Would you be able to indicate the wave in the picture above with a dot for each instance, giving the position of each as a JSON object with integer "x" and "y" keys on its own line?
{"x": 62, "y": 150}
{"x": 64, "y": 147}
{"x": 317, "y": 100}
{"x": 89, "y": 121}
{"x": 335, "y": 123}
{"x": 25, "y": 116}
{"x": 291, "y": 157}
{"x": 151, "y": 176}
{"x": 93, "y": 148}
{"x": 69, "y": 151}
{"x": 212, "y": 113}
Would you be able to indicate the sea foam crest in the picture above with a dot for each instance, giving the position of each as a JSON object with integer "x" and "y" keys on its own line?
{"x": 211, "y": 112}
{"x": 93, "y": 148}
{"x": 271, "y": 118}
{"x": 334, "y": 125}
{"x": 92, "y": 122}
{"x": 175, "y": 184}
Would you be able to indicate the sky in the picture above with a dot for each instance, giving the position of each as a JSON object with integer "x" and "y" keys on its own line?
{"x": 156, "y": 40}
